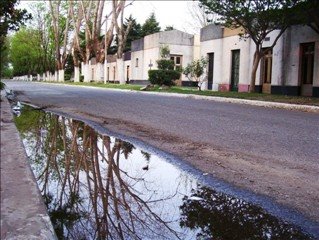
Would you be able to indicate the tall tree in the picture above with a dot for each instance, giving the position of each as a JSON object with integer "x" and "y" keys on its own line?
{"x": 26, "y": 52}
{"x": 198, "y": 17}
{"x": 258, "y": 18}
{"x": 60, "y": 13}
{"x": 150, "y": 25}
{"x": 11, "y": 18}
{"x": 307, "y": 12}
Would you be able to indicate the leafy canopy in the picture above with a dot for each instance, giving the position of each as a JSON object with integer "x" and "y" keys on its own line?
{"x": 150, "y": 26}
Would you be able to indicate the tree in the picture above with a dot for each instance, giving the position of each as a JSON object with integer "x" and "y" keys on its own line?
{"x": 307, "y": 12}
{"x": 11, "y": 18}
{"x": 169, "y": 28}
{"x": 195, "y": 70}
{"x": 165, "y": 74}
{"x": 26, "y": 52}
{"x": 150, "y": 25}
{"x": 258, "y": 18}
{"x": 198, "y": 17}
{"x": 6, "y": 71}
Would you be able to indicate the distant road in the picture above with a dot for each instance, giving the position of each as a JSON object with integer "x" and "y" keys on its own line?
{"x": 269, "y": 151}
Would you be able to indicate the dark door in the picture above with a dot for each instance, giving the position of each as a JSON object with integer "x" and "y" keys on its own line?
{"x": 235, "y": 70}
{"x": 307, "y": 66}
{"x": 210, "y": 70}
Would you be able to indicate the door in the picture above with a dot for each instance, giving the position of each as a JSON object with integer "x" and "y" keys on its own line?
{"x": 235, "y": 70}
{"x": 127, "y": 74}
{"x": 210, "y": 70}
{"x": 306, "y": 68}
{"x": 266, "y": 70}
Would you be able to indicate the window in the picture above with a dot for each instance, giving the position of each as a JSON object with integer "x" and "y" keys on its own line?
{"x": 307, "y": 62}
{"x": 108, "y": 73}
{"x": 177, "y": 59}
{"x": 136, "y": 62}
{"x": 114, "y": 73}
{"x": 266, "y": 66}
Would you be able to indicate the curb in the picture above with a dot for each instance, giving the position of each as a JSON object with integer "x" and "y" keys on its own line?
{"x": 23, "y": 212}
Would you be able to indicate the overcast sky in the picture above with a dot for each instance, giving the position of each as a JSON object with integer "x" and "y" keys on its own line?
{"x": 167, "y": 12}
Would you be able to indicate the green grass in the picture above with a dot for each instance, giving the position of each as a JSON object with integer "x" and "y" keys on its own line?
{"x": 189, "y": 90}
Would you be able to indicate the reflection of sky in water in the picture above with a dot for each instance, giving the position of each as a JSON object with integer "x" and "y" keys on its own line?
{"x": 150, "y": 198}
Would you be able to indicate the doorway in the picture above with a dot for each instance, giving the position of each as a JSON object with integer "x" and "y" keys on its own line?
{"x": 210, "y": 71}
{"x": 306, "y": 68}
{"x": 235, "y": 70}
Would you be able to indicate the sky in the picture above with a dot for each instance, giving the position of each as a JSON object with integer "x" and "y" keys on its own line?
{"x": 167, "y": 13}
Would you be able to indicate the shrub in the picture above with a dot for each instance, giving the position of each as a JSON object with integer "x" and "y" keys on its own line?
{"x": 163, "y": 77}
{"x": 165, "y": 64}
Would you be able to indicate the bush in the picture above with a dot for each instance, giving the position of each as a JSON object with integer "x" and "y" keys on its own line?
{"x": 67, "y": 76}
{"x": 165, "y": 64}
{"x": 163, "y": 77}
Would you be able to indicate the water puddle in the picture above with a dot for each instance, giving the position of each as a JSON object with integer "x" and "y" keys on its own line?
{"x": 97, "y": 186}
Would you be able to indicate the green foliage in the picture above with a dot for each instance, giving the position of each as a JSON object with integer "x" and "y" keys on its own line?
{"x": 11, "y": 18}
{"x": 164, "y": 51}
{"x": 26, "y": 52}
{"x": 307, "y": 12}
{"x": 134, "y": 33}
{"x": 195, "y": 70}
{"x": 2, "y": 85}
{"x": 165, "y": 64}
{"x": 6, "y": 71}
{"x": 150, "y": 26}
{"x": 256, "y": 17}
{"x": 163, "y": 77}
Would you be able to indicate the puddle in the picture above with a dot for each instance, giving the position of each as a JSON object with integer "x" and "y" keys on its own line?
{"x": 100, "y": 187}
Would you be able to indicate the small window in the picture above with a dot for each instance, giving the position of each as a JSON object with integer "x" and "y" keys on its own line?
{"x": 178, "y": 60}
{"x": 136, "y": 62}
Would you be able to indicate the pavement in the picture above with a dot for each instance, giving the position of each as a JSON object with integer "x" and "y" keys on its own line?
{"x": 23, "y": 213}
{"x": 267, "y": 104}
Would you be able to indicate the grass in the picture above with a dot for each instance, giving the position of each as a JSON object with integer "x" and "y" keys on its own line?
{"x": 190, "y": 90}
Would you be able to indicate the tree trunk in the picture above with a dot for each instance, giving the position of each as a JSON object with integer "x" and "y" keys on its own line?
{"x": 76, "y": 74}
{"x": 120, "y": 70}
{"x": 61, "y": 75}
{"x": 257, "y": 56}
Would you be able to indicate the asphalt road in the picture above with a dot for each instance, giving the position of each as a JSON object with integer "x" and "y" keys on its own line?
{"x": 269, "y": 151}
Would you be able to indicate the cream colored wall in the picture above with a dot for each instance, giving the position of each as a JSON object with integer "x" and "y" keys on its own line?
{"x": 137, "y": 72}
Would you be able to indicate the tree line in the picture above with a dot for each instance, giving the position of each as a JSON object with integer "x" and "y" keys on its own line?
{"x": 62, "y": 34}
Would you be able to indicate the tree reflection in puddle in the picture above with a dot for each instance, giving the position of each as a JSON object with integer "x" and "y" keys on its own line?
{"x": 100, "y": 187}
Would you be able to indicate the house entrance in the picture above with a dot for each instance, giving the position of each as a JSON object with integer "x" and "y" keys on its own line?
{"x": 210, "y": 70}
{"x": 306, "y": 68}
{"x": 235, "y": 70}
{"x": 266, "y": 70}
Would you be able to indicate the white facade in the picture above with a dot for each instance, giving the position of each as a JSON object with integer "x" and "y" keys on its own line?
{"x": 286, "y": 60}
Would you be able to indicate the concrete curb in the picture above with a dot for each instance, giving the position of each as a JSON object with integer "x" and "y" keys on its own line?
{"x": 287, "y": 106}
{"x": 23, "y": 213}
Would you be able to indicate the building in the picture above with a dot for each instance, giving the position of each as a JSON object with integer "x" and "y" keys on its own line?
{"x": 290, "y": 68}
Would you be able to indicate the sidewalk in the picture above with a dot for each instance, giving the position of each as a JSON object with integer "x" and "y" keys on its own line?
{"x": 23, "y": 213}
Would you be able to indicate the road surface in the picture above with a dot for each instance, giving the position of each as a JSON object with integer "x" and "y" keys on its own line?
{"x": 274, "y": 152}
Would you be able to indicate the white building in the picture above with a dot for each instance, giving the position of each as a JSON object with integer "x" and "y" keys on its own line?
{"x": 290, "y": 68}
{"x": 184, "y": 48}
